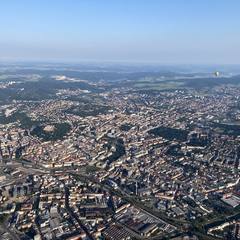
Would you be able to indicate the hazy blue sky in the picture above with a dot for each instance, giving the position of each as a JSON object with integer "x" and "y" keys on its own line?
{"x": 164, "y": 31}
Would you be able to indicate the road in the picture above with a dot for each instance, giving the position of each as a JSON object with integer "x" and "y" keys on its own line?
{"x": 73, "y": 214}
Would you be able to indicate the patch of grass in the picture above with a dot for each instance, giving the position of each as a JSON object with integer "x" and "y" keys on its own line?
{"x": 61, "y": 129}
{"x": 159, "y": 85}
{"x": 170, "y": 133}
{"x": 3, "y": 218}
{"x": 91, "y": 169}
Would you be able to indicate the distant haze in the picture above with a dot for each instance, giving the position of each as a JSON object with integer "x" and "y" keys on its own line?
{"x": 150, "y": 31}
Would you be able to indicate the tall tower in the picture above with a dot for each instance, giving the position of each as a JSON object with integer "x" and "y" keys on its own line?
{"x": 136, "y": 188}
{"x": 1, "y": 154}
{"x": 148, "y": 180}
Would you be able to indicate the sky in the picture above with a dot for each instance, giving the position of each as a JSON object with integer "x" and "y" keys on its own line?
{"x": 148, "y": 31}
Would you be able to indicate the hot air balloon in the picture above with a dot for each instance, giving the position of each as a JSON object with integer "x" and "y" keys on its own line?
{"x": 216, "y": 74}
